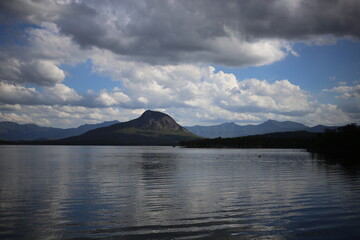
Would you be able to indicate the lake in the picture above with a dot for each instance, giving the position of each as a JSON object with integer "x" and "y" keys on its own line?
{"x": 111, "y": 192}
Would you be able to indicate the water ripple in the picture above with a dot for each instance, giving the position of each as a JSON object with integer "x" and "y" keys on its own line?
{"x": 170, "y": 193}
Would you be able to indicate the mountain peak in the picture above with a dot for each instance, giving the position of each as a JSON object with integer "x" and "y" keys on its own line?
{"x": 228, "y": 124}
{"x": 153, "y": 114}
{"x": 156, "y": 121}
{"x": 270, "y": 121}
{"x": 276, "y": 126}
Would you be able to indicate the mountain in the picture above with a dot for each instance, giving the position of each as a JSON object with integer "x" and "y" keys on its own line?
{"x": 321, "y": 128}
{"x": 228, "y": 130}
{"x": 151, "y": 128}
{"x": 222, "y": 130}
{"x": 271, "y": 126}
{"x": 13, "y": 131}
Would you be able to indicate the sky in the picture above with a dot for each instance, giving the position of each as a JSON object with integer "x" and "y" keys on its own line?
{"x": 64, "y": 63}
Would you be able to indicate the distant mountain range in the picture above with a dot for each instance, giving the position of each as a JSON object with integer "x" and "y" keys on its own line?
{"x": 228, "y": 130}
{"x": 151, "y": 128}
{"x": 13, "y": 131}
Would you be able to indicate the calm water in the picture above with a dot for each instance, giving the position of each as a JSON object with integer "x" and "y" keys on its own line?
{"x": 83, "y": 192}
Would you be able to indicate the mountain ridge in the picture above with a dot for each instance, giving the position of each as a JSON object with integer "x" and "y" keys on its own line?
{"x": 13, "y": 131}
{"x": 226, "y": 130}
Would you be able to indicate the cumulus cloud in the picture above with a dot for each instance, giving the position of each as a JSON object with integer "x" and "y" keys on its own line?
{"x": 40, "y": 72}
{"x": 349, "y": 97}
{"x": 39, "y": 60}
{"x": 106, "y": 98}
{"x": 15, "y": 94}
{"x": 346, "y": 92}
{"x": 195, "y": 87}
{"x": 68, "y": 116}
{"x": 326, "y": 114}
{"x": 18, "y": 94}
{"x": 19, "y": 118}
{"x": 47, "y": 42}
{"x": 254, "y": 95}
{"x": 61, "y": 93}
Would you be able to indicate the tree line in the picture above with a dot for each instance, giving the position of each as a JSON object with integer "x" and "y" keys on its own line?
{"x": 341, "y": 142}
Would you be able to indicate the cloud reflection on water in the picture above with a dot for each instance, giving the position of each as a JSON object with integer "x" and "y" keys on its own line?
{"x": 161, "y": 192}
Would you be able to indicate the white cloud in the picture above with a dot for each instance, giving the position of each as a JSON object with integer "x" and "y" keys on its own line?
{"x": 326, "y": 114}
{"x": 106, "y": 99}
{"x": 38, "y": 71}
{"x": 143, "y": 100}
{"x": 202, "y": 87}
{"x": 15, "y": 94}
{"x": 61, "y": 93}
{"x": 58, "y": 94}
{"x": 68, "y": 116}
{"x": 42, "y": 72}
{"x": 21, "y": 118}
{"x": 346, "y": 92}
{"x": 38, "y": 61}
{"x": 348, "y": 98}
{"x": 49, "y": 43}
